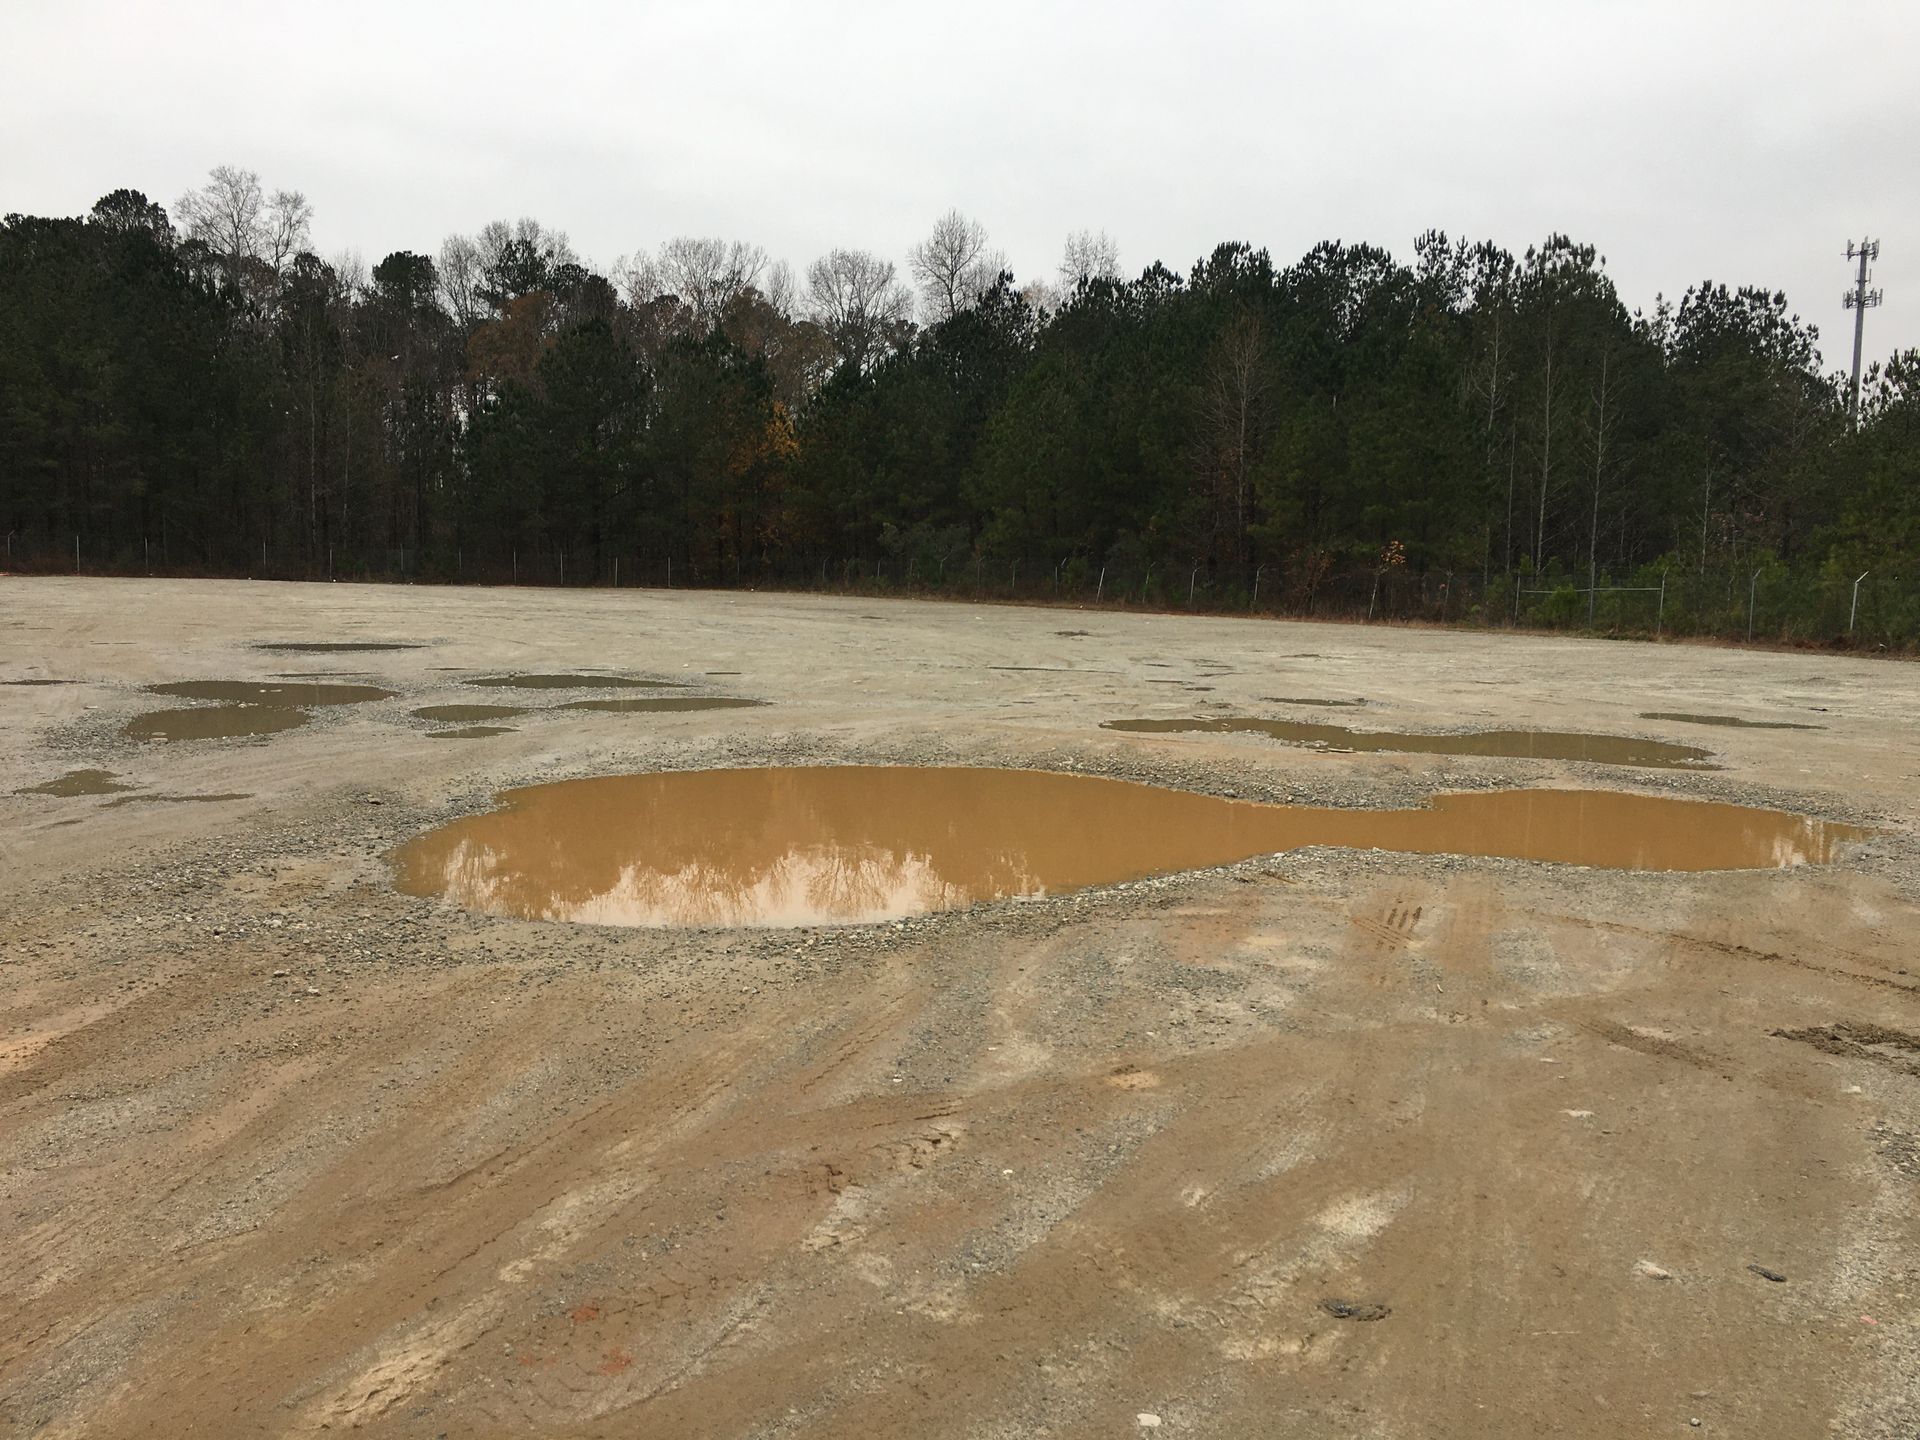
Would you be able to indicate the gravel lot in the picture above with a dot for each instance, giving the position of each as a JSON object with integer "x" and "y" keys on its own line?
{"x": 282, "y": 1150}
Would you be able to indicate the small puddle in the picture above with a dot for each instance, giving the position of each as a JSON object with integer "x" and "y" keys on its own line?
{"x": 268, "y": 692}
{"x": 214, "y": 722}
{"x": 174, "y": 799}
{"x": 472, "y": 732}
{"x": 1308, "y": 700}
{"x": 653, "y": 704}
{"x": 467, "y": 714}
{"x": 1731, "y": 721}
{"x": 334, "y": 647}
{"x": 36, "y": 682}
{"x": 78, "y": 782}
{"x": 854, "y": 844}
{"x": 1500, "y": 744}
{"x": 574, "y": 682}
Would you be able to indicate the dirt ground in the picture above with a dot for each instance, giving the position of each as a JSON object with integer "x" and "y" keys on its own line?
{"x": 1324, "y": 1144}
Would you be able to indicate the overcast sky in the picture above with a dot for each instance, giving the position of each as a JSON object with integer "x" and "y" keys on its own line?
{"x": 1746, "y": 140}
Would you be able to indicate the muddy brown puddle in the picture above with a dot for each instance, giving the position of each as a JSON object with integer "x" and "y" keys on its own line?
{"x": 270, "y": 692}
{"x": 574, "y": 682}
{"x": 853, "y": 844}
{"x": 76, "y": 783}
{"x": 1733, "y": 722}
{"x": 214, "y": 722}
{"x": 335, "y": 647}
{"x": 655, "y": 704}
{"x": 467, "y": 714}
{"x": 1501, "y": 744}
{"x": 472, "y": 732}
{"x": 248, "y": 708}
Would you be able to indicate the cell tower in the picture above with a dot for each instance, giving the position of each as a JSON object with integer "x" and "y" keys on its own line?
{"x": 1860, "y": 300}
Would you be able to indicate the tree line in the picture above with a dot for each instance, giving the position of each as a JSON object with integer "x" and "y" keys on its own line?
{"x": 1471, "y": 435}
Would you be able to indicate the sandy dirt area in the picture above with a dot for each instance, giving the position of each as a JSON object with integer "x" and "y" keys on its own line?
{"x": 1321, "y": 1144}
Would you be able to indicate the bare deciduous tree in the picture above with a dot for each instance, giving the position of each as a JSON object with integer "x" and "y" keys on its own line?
{"x": 782, "y": 292}
{"x": 458, "y": 275}
{"x": 953, "y": 265}
{"x": 287, "y": 220}
{"x": 1089, "y": 255}
{"x": 242, "y": 224}
{"x": 704, "y": 273}
{"x": 858, "y": 300}
{"x": 1235, "y": 421}
{"x": 225, "y": 213}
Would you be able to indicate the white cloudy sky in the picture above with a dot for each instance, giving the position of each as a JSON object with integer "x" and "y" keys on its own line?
{"x": 1746, "y": 140}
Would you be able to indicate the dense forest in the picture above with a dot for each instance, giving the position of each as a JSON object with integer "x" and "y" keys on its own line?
{"x": 1476, "y": 435}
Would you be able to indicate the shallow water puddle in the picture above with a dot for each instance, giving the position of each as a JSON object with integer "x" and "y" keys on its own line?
{"x": 848, "y": 844}
{"x": 1731, "y": 721}
{"x": 1309, "y": 700}
{"x": 334, "y": 647}
{"x": 472, "y": 732}
{"x": 653, "y": 704}
{"x": 175, "y": 799}
{"x": 574, "y": 682}
{"x": 214, "y": 722}
{"x": 36, "y": 682}
{"x": 467, "y": 714}
{"x": 269, "y": 692}
{"x": 1503, "y": 744}
{"x": 76, "y": 783}
{"x": 252, "y": 707}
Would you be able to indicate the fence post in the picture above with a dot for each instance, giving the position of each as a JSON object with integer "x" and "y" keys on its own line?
{"x": 76, "y": 560}
{"x": 1101, "y": 588}
{"x": 1660, "y": 616}
{"x": 1192, "y": 580}
{"x": 1752, "y": 586}
{"x": 516, "y": 566}
{"x": 1852, "y": 614}
{"x": 1254, "y": 604}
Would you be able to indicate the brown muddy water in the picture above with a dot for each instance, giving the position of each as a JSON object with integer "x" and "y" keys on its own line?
{"x": 176, "y": 799}
{"x": 1502, "y": 744}
{"x": 654, "y": 704}
{"x": 36, "y": 682}
{"x": 853, "y": 844}
{"x": 268, "y": 692}
{"x": 252, "y": 707}
{"x": 1731, "y": 721}
{"x": 214, "y": 722}
{"x": 334, "y": 647}
{"x": 76, "y": 783}
{"x": 574, "y": 682}
{"x": 467, "y": 714}
{"x": 1309, "y": 700}
{"x": 472, "y": 732}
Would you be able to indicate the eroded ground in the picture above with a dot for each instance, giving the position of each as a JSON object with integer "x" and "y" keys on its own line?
{"x": 1323, "y": 1144}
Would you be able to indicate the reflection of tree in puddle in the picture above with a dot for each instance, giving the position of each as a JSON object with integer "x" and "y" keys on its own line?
{"x": 858, "y": 843}
{"x": 728, "y": 848}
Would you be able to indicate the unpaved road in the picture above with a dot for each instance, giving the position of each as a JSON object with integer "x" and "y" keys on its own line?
{"x": 283, "y": 1151}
